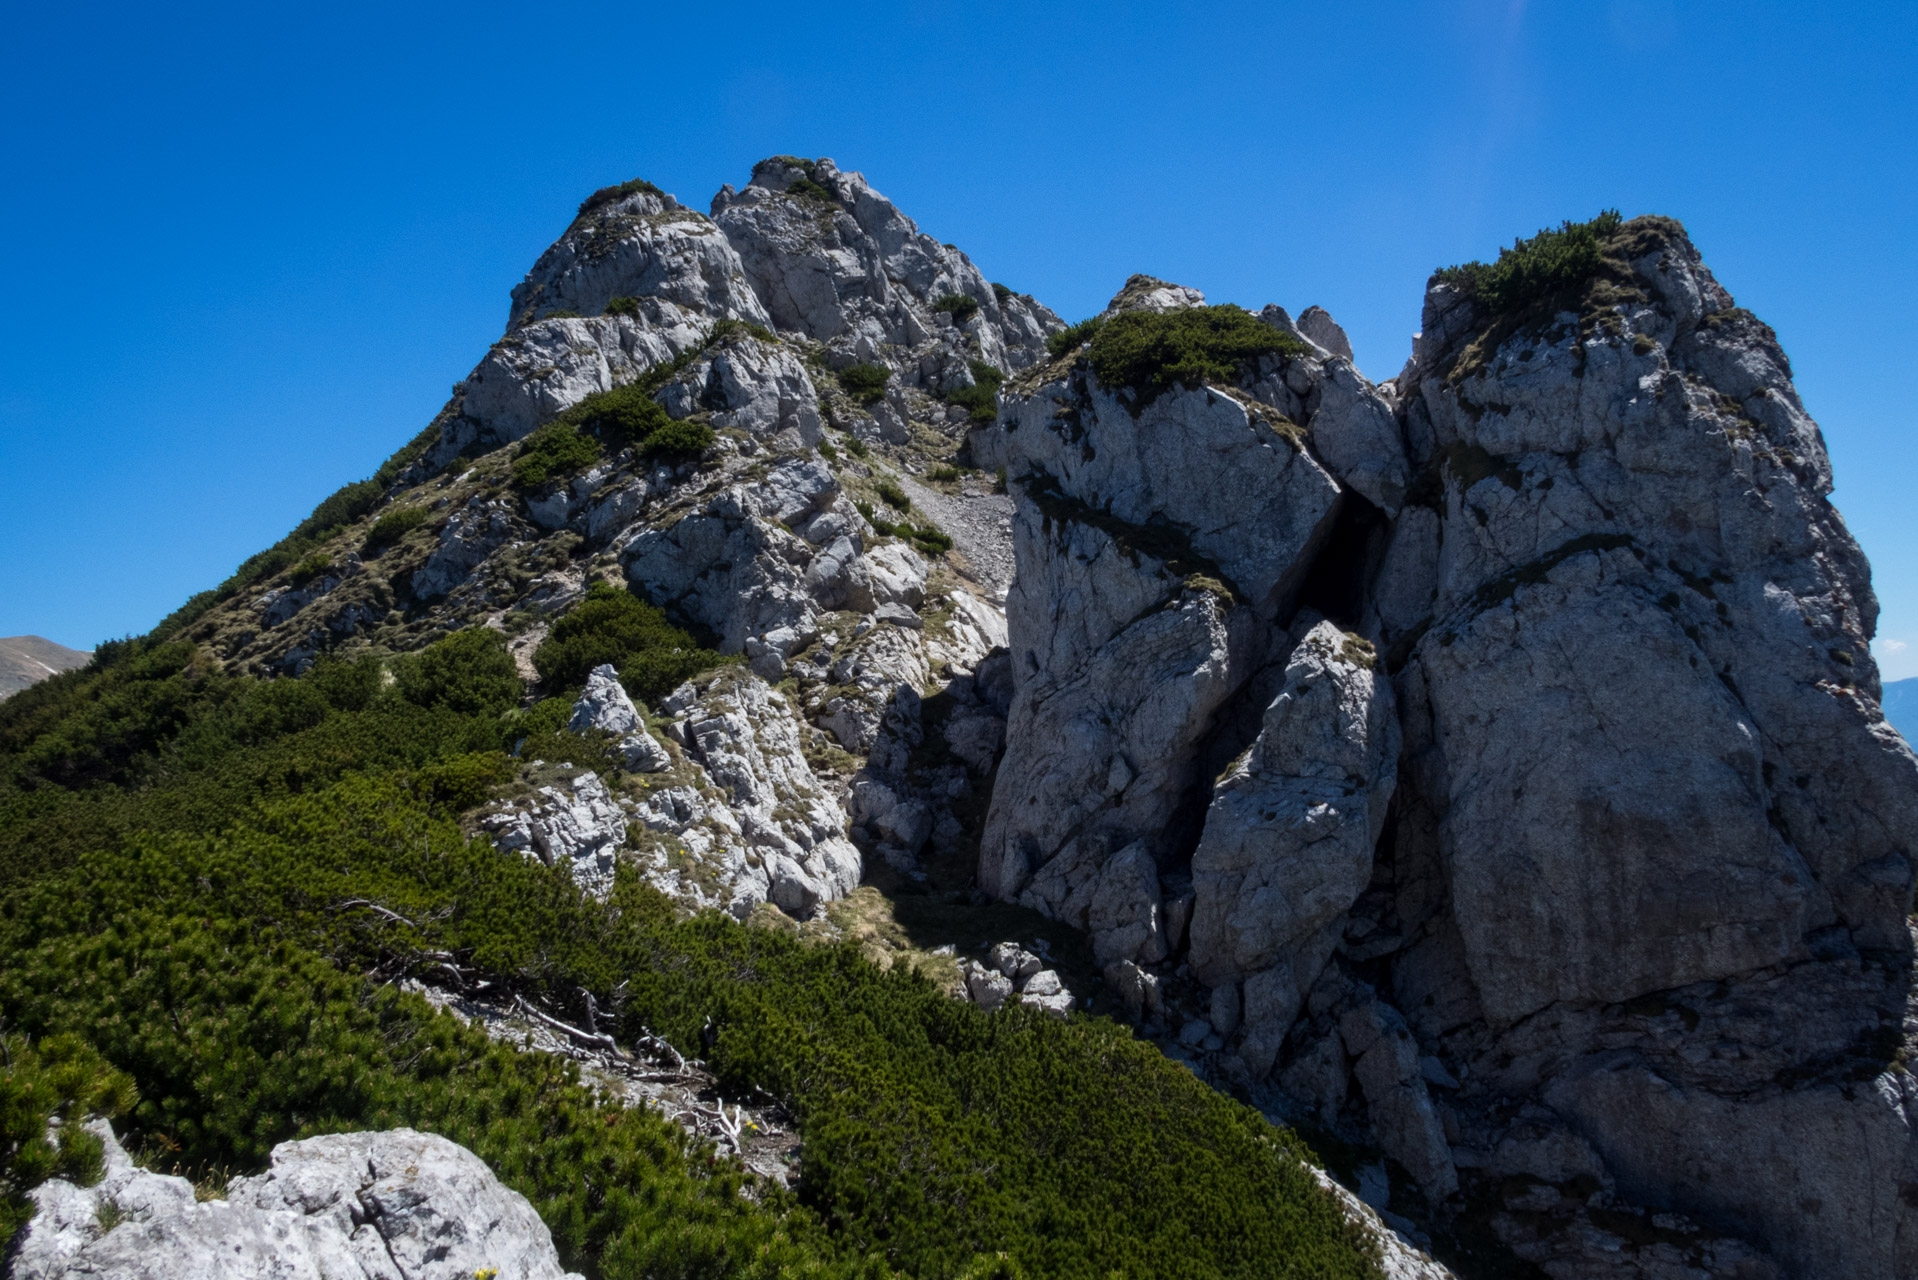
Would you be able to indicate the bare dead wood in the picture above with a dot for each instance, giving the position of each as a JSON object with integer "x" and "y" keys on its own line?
{"x": 377, "y": 909}
{"x": 582, "y": 1037}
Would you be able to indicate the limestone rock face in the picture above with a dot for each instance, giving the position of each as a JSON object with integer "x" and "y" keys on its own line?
{"x": 1155, "y": 552}
{"x": 541, "y": 370}
{"x": 1650, "y": 752}
{"x": 670, "y": 274}
{"x": 470, "y": 535}
{"x": 605, "y": 706}
{"x": 758, "y": 821}
{"x": 397, "y": 1205}
{"x": 755, "y": 386}
{"x": 838, "y": 262}
{"x": 1524, "y": 776}
{"x": 1288, "y": 838}
{"x": 1149, "y": 293}
{"x": 1317, "y": 324}
{"x": 643, "y": 245}
{"x": 734, "y": 566}
{"x": 579, "y": 828}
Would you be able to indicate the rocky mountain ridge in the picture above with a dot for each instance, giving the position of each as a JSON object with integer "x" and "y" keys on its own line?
{"x": 27, "y": 660}
{"x": 1901, "y": 706}
{"x": 1482, "y": 768}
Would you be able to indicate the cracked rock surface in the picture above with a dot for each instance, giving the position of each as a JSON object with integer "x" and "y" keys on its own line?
{"x": 396, "y": 1205}
{"x": 1510, "y": 733}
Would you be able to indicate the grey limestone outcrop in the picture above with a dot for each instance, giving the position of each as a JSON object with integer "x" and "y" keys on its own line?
{"x": 393, "y": 1205}
{"x": 835, "y": 260}
{"x": 1510, "y": 735}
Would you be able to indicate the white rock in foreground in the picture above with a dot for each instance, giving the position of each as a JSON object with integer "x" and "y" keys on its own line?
{"x": 397, "y": 1205}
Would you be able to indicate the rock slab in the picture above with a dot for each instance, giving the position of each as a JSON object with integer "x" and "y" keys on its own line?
{"x": 395, "y": 1205}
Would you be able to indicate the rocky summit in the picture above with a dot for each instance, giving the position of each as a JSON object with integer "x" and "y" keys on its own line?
{"x": 1480, "y": 773}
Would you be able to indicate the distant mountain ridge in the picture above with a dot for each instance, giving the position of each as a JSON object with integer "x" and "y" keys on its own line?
{"x": 27, "y": 660}
{"x": 1901, "y": 706}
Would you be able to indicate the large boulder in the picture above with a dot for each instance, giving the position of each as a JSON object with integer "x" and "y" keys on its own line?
{"x": 395, "y": 1205}
{"x": 1287, "y": 842}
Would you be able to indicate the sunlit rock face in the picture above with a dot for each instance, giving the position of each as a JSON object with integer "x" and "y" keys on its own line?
{"x": 1491, "y": 760}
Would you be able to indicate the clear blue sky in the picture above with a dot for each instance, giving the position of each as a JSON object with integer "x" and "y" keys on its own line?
{"x": 248, "y": 249}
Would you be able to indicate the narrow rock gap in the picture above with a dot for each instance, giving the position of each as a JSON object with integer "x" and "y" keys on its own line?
{"x": 1336, "y": 582}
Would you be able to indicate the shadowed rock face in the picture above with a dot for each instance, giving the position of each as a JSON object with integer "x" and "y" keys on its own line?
{"x": 1572, "y": 846}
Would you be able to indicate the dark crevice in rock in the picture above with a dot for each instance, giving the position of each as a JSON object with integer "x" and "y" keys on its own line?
{"x": 1336, "y": 582}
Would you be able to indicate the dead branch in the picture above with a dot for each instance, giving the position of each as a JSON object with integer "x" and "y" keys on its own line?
{"x": 377, "y": 909}
{"x": 660, "y": 1049}
{"x": 583, "y": 1037}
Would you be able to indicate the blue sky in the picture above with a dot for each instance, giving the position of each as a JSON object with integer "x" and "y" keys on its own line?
{"x": 250, "y": 248}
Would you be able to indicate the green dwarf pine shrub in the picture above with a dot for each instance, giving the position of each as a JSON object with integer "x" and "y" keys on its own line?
{"x": 183, "y": 859}
{"x": 1151, "y": 351}
{"x": 1072, "y": 337}
{"x": 1553, "y": 260}
{"x": 607, "y": 195}
{"x": 610, "y": 625}
{"x": 957, "y": 305}
{"x": 393, "y": 526}
{"x": 865, "y": 383}
{"x": 981, "y": 399}
{"x": 554, "y": 451}
{"x": 59, "y": 1079}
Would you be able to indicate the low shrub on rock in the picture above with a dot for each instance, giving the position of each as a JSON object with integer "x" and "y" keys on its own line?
{"x": 1148, "y": 352}
{"x": 555, "y": 450}
{"x": 957, "y": 305}
{"x": 1072, "y": 337}
{"x": 630, "y": 416}
{"x": 865, "y": 383}
{"x": 1554, "y": 259}
{"x": 619, "y": 191}
{"x": 393, "y": 526}
{"x": 981, "y": 399}
{"x": 610, "y": 625}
